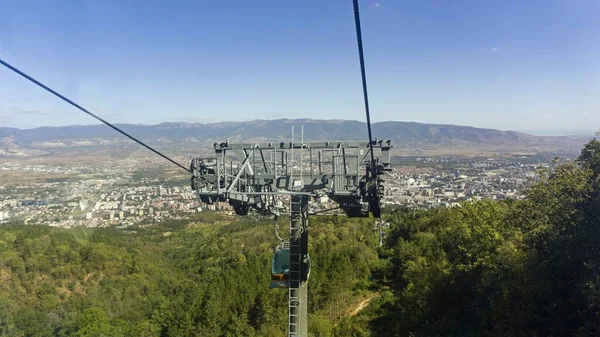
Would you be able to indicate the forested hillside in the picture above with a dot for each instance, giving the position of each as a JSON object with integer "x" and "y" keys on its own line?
{"x": 523, "y": 268}
{"x": 510, "y": 268}
{"x": 209, "y": 277}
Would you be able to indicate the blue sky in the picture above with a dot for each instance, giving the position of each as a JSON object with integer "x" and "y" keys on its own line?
{"x": 500, "y": 64}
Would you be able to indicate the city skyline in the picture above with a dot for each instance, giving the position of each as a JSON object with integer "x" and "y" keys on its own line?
{"x": 501, "y": 65}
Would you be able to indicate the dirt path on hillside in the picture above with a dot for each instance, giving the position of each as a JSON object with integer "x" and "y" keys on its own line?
{"x": 362, "y": 305}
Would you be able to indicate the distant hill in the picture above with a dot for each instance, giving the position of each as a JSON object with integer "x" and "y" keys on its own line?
{"x": 188, "y": 135}
{"x": 266, "y": 129}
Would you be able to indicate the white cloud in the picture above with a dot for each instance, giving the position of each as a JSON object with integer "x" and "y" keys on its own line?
{"x": 494, "y": 49}
{"x": 375, "y": 5}
{"x": 5, "y": 120}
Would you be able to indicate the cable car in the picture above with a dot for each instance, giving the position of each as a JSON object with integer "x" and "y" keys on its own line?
{"x": 280, "y": 267}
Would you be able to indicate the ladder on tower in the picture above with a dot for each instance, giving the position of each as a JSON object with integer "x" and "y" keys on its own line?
{"x": 296, "y": 253}
{"x": 294, "y": 316}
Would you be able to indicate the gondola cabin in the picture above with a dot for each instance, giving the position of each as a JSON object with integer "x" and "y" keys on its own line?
{"x": 280, "y": 268}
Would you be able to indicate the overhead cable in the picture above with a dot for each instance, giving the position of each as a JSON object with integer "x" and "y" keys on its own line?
{"x": 364, "y": 82}
{"x": 6, "y": 64}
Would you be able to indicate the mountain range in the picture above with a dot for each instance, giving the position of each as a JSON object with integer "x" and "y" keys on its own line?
{"x": 191, "y": 135}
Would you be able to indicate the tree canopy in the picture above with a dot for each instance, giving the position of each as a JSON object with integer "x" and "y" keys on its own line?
{"x": 522, "y": 268}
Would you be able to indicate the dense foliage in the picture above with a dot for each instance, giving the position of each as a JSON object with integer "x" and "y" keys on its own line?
{"x": 517, "y": 268}
{"x": 511, "y": 268}
{"x": 207, "y": 278}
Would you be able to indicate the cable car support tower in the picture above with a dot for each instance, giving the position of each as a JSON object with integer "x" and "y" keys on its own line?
{"x": 263, "y": 177}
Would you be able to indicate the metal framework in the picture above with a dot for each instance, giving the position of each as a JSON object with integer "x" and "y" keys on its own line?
{"x": 261, "y": 176}
{"x": 252, "y": 175}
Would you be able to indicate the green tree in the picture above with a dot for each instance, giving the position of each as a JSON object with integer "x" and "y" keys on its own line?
{"x": 93, "y": 322}
{"x": 590, "y": 156}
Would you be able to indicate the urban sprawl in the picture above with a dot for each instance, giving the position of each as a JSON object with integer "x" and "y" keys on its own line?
{"x": 106, "y": 196}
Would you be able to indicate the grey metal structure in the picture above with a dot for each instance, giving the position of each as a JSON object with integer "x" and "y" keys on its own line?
{"x": 252, "y": 175}
{"x": 258, "y": 175}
